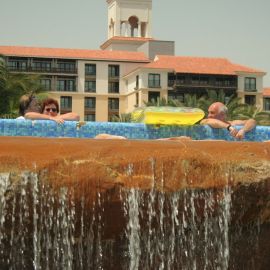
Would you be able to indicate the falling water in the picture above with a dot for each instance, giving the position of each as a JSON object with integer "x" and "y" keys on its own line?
{"x": 42, "y": 227}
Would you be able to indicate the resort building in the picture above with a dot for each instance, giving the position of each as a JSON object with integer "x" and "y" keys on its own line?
{"x": 266, "y": 99}
{"x": 131, "y": 68}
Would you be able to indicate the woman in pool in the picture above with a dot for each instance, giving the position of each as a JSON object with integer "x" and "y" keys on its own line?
{"x": 50, "y": 110}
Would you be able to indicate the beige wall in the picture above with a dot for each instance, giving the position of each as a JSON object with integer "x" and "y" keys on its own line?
{"x": 163, "y": 78}
{"x": 102, "y": 109}
{"x": 130, "y": 101}
{"x": 81, "y": 76}
{"x": 77, "y": 101}
{"x": 241, "y": 81}
{"x": 259, "y": 87}
{"x": 157, "y": 47}
{"x": 122, "y": 47}
{"x": 102, "y": 95}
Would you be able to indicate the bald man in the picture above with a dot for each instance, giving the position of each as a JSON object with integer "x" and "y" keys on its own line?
{"x": 217, "y": 114}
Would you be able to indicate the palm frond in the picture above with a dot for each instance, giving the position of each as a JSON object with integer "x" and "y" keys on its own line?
{"x": 13, "y": 86}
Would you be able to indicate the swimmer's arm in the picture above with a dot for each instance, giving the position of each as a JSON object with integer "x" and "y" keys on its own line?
{"x": 70, "y": 116}
{"x": 247, "y": 124}
{"x": 215, "y": 123}
{"x": 37, "y": 116}
{"x": 41, "y": 116}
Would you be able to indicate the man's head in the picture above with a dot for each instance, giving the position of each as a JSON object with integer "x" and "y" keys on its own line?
{"x": 217, "y": 111}
{"x": 28, "y": 104}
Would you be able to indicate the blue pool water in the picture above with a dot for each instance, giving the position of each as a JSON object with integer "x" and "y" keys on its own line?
{"x": 43, "y": 128}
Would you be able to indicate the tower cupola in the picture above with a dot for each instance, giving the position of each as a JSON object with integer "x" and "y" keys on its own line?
{"x": 129, "y": 18}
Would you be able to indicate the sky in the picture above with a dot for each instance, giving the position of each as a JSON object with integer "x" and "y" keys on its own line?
{"x": 238, "y": 30}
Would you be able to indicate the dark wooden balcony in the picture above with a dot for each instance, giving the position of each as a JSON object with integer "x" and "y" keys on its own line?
{"x": 52, "y": 70}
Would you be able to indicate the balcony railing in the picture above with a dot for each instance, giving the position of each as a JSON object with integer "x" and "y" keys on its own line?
{"x": 175, "y": 83}
{"x": 113, "y": 110}
{"x": 113, "y": 78}
{"x": 44, "y": 70}
{"x": 251, "y": 90}
{"x": 90, "y": 109}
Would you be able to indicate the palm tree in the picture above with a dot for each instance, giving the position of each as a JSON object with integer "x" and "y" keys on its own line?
{"x": 156, "y": 103}
{"x": 124, "y": 118}
{"x": 191, "y": 101}
{"x": 13, "y": 86}
{"x": 163, "y": 102}
{"x": 251, "y": 111}
{"x": 236, "y": 109}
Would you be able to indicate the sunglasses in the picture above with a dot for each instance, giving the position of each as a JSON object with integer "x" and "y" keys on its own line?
{"x": 51, "y": 110}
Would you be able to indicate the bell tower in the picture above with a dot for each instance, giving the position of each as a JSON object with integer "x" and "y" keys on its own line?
{"x": 129, "y": 18}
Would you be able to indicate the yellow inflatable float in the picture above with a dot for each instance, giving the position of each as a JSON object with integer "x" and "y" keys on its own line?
{"x": 168, "y": 115}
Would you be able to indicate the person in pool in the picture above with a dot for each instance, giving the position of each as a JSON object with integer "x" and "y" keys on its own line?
{"x": 50, "y": 110}
{"x": 28, "y": 103}
{"x": 217, "y": 118}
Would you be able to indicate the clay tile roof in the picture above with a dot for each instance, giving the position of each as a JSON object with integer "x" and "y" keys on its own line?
{"x": 266, "y": 92}
{"x": 73, "y": 53}
{"x": 199, "y": 65}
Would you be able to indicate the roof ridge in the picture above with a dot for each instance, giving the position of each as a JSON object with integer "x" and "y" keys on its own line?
{"x": 76, "y": 49}
{"x": 73, "y": 53}
{"x": 196, "y": 57}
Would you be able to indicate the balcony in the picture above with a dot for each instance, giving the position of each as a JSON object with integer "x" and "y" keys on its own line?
{"x": 113, "y": 78}
{"x": 53, "y": 70}
{"x": 202, "y": 84}
{"x": 250, "y": 90}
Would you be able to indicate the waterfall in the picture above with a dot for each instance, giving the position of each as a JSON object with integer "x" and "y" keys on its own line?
{"x": 44, "y": 227}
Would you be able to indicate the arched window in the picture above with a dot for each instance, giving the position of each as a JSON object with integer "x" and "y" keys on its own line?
{"x": 122, "y": 28}
{"x": 133, "y": 22}
{"x": 111, "y": 28}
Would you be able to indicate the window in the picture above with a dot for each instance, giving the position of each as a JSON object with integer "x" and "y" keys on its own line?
{"x": 229, "y": 82}
{"x": 180, "y": 79}
{"x": 266, "y": 104}
{"x": 90, "y": 103}
{"x": 226, "y": 81}
{"x": 90, "y": 117}
{"x": 219, "y": 81}
{"x": 204, "y": 80}
{"x": 195, "y": 80}
{"x": 41, "y": 65}
{"x": 113, "y": 71}
{"x": 171, "y": 79}
{"x": 66, "y": 66}
{"x": 66, "y": 85}
{"x": 90, "y": 69}
{"x": 153, "y": 80}
{"x": 66, "y": 104}
{"x": 250, "y": 100}
{"x": 153, "y": 96}
{"x": 113, "y": 104}
{"x": 46, "y": 84}
{"x": 113, "y": 87}
{"x": 250, "y": 84}
{"x": 137, "y": 82}
{"x": 90, "y": 86}
{"x": 17, "y": 64}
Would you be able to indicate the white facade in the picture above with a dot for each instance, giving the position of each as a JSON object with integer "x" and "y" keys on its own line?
{"x": 129, "y": 18}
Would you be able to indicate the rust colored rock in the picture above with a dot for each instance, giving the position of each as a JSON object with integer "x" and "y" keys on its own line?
{"x": 196, "y": 163}
{"x": 199, "y": 190}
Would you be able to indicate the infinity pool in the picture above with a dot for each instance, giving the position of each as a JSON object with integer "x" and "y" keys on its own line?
{"x": 72, "y": 129}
